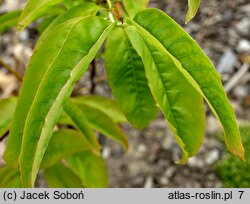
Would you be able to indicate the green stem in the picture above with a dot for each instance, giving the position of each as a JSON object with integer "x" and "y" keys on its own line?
{"x": 109, "y": 4}
{"x": 111, "y": 17}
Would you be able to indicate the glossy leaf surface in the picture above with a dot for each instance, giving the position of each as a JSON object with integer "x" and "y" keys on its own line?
{"x": 180, "y": 103}
{"x": 75, "y": 43}
{"x": 191, "y": 61}
{"x": 126, "y": 76}
{"x": 81, "y": 10}
{"x": 33, "y": 10}
{"x": 91, "y": 169}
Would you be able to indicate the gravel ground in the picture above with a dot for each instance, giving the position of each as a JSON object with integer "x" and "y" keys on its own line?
{"x": 222, "y": 28}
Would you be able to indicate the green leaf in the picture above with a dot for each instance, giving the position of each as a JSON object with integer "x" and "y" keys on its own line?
{"x": 68, "y": 3}
{"x": 104, "y": 124}
{"x": 45, "y": 23}
{"x": 108, "y": 106}
{"x": 180, "y": 103}
{"x": 65, "y": 56}
{"x": 193, "y": 6}
{"x": 7, "y": 108}
{"x": 59, "y": 176}
{"x": 9, "y": 178}
{"x": 80, "y": 120}
{"x": 91, "y": 169}
{"x": 191, "y": 61}
{"x": 80, "y": 10}
{"x": 9, "y": 20}
{"x": 33, "y": 10}
{"x": 65, "y": 119}
{"x": 133, "y": 7}
{"x": 64, "y": 142}
{"x": 126, "y": 76}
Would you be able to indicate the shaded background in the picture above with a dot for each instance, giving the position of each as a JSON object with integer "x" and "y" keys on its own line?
{"x": 222, "y": 28}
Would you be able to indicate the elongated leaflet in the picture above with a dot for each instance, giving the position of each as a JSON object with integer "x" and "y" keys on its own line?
{"x": 75, "y": 44}
{"x": 191, "y": 61}
{"x": 180, "y": 103}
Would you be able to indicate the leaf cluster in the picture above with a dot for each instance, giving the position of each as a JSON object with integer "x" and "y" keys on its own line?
{"x": 152, "y": 65}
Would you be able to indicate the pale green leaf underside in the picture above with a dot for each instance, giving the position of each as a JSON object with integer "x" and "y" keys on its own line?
{"x": 79, "y": 119}
{"x": 9, "y": 20}
{"x": 63, "y": 143}
{"x": 180, "y": 103}
{"x": 59, "y": 176}
{"x": 91, "y": 169}
{"x": 93, "y": 118}
{"x": 75, "y": 43}
{"x": 191, "y": 61}
{"x": 193, "y": 6}
{"x": 101, "y": 122}
{"x": 108, "y": 106}
{"x": 7, "y": 108}
{"x": 126, "y": 76}
{"x": 33, "y": 10}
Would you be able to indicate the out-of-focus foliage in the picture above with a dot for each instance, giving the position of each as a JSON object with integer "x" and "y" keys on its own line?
{"x": 9, "y": 20}
{"x": 233, "y": 172}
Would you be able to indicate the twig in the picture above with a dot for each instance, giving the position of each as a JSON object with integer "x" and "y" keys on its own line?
{"x": 11, "y": 70}
{"x": 101, "y": 138}
{"x": 4, "y": 136}
{"x": 92, "y": 76}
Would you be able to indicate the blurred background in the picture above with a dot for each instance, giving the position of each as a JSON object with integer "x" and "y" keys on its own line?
{"x": 222, "y": 28}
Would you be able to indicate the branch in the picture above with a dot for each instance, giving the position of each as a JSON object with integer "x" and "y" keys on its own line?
{"x": 11, "y": 70}
{"x": 92, "y": 76}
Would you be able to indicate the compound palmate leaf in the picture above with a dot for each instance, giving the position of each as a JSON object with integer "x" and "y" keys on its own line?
{"x": 127, "y": 79}
{"x": 33, "y": 10}
{"x": 180, "y": 103}
{"x": 174, "y": 43}
{"x": 65, "y": 55}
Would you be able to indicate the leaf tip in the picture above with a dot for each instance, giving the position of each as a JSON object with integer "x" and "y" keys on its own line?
{"x": 239, "y": 152}
{"x": 187, "y": 20}
{"x": 126, "y": 145}
{"x": 185, "y": 155}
